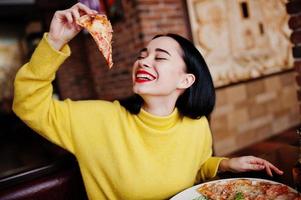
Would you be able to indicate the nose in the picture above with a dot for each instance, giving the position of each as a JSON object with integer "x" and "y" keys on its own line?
{"x": 144, "y": 62}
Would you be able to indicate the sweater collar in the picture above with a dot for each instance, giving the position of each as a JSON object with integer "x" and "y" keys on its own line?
{"x": 159, "y": 122}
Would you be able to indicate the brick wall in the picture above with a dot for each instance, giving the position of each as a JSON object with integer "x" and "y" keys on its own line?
{"x": 245, "y": 113}
{"x": 294, "y": 9}
{"x": 74, "y": 78}
{"x": 162, "y": 16}
{"x": 250, "y": 112}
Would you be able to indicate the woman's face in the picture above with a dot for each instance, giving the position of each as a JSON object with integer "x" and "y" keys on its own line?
{"x": 159, "y": 69}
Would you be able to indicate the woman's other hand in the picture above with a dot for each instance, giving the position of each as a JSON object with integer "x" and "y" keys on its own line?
{"x": 63, "y": 26}
{"x": 248, "y": 163}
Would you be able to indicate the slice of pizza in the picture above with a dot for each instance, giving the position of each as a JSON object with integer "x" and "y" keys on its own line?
{"x": 101, "y": 30}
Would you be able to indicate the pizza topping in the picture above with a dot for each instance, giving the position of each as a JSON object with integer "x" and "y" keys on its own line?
{"x": 239, "y": 196}
{"x": 201, "y": 198}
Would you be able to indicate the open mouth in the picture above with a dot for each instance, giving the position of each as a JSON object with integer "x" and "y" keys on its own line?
{"x": 144, "y": 76}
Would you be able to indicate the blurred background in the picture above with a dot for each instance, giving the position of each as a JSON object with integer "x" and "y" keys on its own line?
{"x": 251, "y": 47}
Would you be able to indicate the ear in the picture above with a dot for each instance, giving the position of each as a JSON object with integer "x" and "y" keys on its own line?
{"x": 187, "y": 81}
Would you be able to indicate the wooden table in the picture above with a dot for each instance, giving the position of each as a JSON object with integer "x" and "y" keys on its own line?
{"x": 283, "y": 157}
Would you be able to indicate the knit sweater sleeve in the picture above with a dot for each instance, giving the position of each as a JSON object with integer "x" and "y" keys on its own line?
{"x": 209, "y": 168}
{"x": 33, "y": 101}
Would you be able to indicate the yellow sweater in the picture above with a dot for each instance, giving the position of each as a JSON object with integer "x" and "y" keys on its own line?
{"x": 121, "y": 156}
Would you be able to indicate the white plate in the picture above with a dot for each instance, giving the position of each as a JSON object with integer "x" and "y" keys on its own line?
{"x": 191, "y": 193}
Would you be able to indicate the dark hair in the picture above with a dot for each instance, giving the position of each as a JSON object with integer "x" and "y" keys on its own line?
{"x": 196, "y": 101}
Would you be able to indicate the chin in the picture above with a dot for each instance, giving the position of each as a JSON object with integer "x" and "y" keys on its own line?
{"x": 141, "y": 91}
{"x": 136, "y": 90}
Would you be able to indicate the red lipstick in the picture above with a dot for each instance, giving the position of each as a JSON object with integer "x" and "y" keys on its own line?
{"x": 140, "y": 71}
{"x": 144, "y": 76}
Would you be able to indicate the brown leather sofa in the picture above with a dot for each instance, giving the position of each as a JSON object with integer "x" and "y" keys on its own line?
{"x": 62, "y": 185}
{"x": 31, "y": 168}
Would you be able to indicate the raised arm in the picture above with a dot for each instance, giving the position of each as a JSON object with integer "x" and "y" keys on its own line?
{"x": 33, "y": 101}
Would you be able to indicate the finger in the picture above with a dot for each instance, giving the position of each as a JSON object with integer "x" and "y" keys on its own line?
{"x": 75, "y": 14}
{"x": 95, "y": 12}
{"x": 69, "y": 18}
{"x": 268, "y": 170}
{"x": 275, "y": 169}
{"x": 59, "y": 15}
{"x": 84, "y": 8}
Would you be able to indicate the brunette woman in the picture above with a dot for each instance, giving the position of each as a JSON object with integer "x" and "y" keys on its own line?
{"x": 150, "y": 146}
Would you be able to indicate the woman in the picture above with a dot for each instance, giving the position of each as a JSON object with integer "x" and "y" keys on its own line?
{"x": 151, "y": 146}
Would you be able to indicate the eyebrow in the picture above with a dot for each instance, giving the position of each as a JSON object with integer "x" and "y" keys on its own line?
{"x": 157, "y": 49}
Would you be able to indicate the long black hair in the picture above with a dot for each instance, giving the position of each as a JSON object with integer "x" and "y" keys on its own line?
{"x": 196, "y": 101}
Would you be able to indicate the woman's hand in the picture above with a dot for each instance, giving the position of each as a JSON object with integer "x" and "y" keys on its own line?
{"x": 63, "y": 26}
{"x": 248, "y": 163}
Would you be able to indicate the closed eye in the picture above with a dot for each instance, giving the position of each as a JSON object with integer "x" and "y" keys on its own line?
{"x": 158, "y": 58}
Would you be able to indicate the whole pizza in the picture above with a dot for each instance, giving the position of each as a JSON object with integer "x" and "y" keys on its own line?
{"x": 246, "y": 189}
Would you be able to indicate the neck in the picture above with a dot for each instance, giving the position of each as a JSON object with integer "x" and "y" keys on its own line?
{"x": 159, "y": 106}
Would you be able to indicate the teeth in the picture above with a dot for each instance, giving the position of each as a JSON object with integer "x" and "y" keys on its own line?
{"x": 144, "y": 76}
